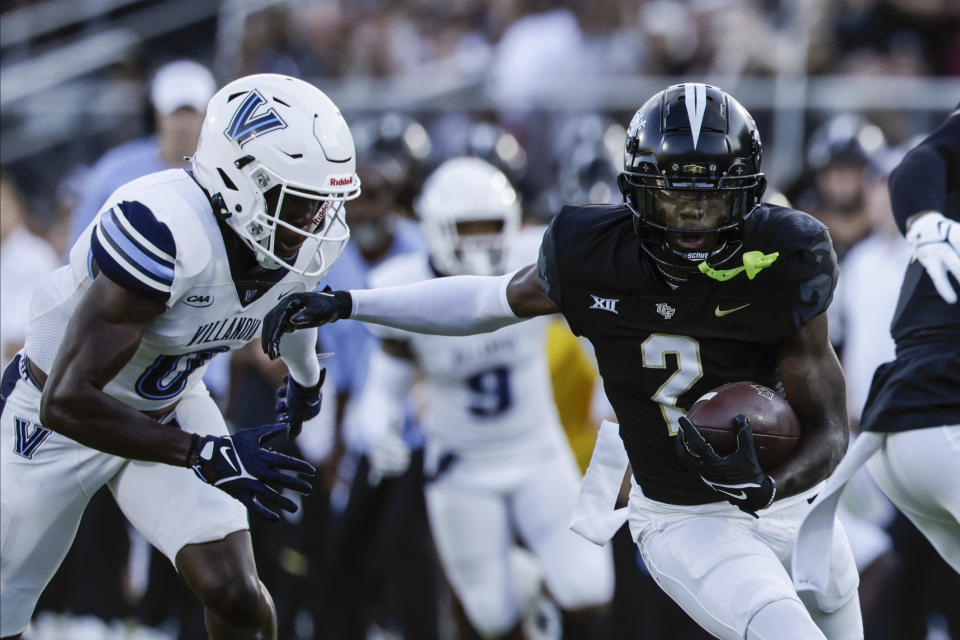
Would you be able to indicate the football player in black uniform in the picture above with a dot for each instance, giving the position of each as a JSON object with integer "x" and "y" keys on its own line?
{"x": 692, "y": 282}
{"x": 915, "y": 400}
{"x": 910, "y": 427}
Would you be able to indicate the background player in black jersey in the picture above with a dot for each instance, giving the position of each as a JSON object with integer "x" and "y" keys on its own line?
{"x": 911, "y": 421}
{"x": 690, "y": 283}
{"x": 915, "y": 400}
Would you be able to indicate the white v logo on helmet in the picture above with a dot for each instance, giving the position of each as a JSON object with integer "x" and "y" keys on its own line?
{"x": 695, "y": 99}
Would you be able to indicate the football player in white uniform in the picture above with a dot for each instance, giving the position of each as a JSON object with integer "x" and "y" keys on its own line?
{"x": 496, "y": 461}
{"x": 178, "y": 266}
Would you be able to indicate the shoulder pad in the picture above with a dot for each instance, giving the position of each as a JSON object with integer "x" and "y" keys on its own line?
{"x": 582, "y": 243}
{"x": 134, "y": 249}
{"x": 177, "y": 202}
{"x": 807, "y": 261}
{"x": 183, "y": 206}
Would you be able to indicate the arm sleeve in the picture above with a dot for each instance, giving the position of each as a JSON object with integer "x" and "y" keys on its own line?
{"x": 299, "y": 352}
{"x": 454, "y": 306}
{"x": 920, "y": 181}
{"x": 135, "y": 250}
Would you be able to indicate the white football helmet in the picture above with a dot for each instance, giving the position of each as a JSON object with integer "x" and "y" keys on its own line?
{"x": 465, "y": 190}
{"x": 270, "y": 131}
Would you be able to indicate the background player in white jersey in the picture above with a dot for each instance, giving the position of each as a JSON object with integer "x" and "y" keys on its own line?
{"x": 177, "y": 267}
{"x": 497, "y": 464}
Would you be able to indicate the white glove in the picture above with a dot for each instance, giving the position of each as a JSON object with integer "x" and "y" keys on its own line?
{"x": 935, "y": 241}
{"x": 389, "y": 456}
{"x": 388, "y": 452}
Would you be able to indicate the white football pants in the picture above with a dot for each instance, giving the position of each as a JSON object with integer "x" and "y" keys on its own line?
{"x": 919, "y": 470}
{"x": 480, "y": 505}
{"x": 46, "y": 480}
{"x": 729, "y": 570}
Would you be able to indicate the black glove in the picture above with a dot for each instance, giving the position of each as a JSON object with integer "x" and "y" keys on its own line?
{"x": 296, "y": 404}
{"x": 241, "y": 466}
{"x": 302, "y": 311}
{"x": 738, "y": 476}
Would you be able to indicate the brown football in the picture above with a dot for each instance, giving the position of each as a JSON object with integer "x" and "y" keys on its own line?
{"x": 775, "y": 426}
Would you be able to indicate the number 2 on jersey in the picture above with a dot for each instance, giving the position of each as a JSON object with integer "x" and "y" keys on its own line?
{"x": 689, "y": 370}
{"x": 490, "y": 393}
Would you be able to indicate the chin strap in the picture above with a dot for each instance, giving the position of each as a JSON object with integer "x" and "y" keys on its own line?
{"x": 267, "y": 262}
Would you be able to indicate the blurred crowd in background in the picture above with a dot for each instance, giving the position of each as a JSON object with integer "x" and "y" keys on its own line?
{"x": 98, "y": 92}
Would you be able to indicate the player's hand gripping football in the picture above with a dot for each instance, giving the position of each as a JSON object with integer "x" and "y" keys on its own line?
{"x": 302, "y": 311}
{"x": 241, "y": 465}
{"x": 738, "y": 476}
{"x": 296, "y": 404}
{"x": 935, "y": 241}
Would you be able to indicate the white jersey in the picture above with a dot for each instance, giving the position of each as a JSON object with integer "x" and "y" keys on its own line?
{"x": 158, "y": 236}
{"x": 486, "y": 390}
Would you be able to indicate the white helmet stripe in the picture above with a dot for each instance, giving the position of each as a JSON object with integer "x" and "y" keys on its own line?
{"x": 695, "y": 95}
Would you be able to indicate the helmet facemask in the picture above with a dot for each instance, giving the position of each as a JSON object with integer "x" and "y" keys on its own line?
{"x": 691, "y": 175}
{"x": 289, "y": 220}
{"x": 683, "y": 222}
{"x": 277, "y": 161}
{"x": 471, "y": 247}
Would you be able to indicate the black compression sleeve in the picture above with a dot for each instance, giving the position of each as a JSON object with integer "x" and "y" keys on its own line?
{"x": 920, "y": 182}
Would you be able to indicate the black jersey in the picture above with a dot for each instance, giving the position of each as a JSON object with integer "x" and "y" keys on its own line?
{"x": 658, "y": 348}
{"x": 921, "y": 388}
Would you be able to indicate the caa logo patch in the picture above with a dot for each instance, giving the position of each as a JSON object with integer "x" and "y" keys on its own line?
{"x": 198, "y": 301}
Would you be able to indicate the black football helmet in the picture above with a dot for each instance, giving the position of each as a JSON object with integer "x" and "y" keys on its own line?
{"x": 691, "y": 140}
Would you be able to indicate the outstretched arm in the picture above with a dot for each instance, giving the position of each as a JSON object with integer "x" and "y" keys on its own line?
{"x": 299, "y": 353}
{"x": 457, "y": 305}
{"x": 919, "y": 184}
{"x": 919, "y": 190}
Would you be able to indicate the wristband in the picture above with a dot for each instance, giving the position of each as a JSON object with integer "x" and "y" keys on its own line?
{"x": 194, "y": 451}
{"x": 344, "y": 303}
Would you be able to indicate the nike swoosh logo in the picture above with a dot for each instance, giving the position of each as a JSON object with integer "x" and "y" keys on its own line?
{"x": 739, "y": 495}
{"x": 725, "y": 312}
{"x": 725, "y": 489}
{"x": 226, "y": 457}
{"x": 287, "y": 292}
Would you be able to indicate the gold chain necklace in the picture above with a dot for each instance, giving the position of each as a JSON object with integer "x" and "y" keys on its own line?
{"x": 669, "y": 276}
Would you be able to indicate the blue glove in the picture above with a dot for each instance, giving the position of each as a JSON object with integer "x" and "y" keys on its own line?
{"x": 296, "y": 404}
{"x": 738, "y": 476}
{"x": 242, "y": 466}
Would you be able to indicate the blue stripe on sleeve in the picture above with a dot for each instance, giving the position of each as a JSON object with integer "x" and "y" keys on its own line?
{"x": 146, "y": 224}
{"x": 119, "y": 273}
{"x": 118, "y": 218}
{"x": 134, "y": 253}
